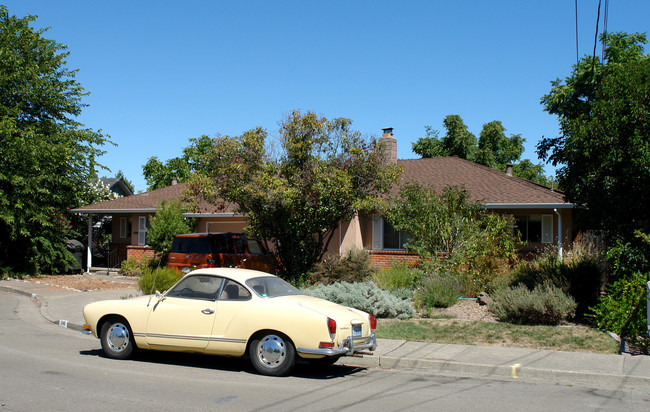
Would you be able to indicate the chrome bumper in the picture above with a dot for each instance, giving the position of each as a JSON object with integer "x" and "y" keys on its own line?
{"x": 346, "y": 348}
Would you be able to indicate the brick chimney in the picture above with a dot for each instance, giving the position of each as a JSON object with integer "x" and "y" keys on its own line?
{"x": 390, "y": 145}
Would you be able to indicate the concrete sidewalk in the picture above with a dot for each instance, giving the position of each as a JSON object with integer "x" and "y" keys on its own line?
{"x": 64, "y": 307}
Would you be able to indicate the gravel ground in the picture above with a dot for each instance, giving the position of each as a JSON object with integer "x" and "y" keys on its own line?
{"x": 85, "y": 282}
{"x": 467, "y": 310}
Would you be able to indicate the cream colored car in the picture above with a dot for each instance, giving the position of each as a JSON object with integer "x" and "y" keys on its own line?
{"x": 233, "y": 312}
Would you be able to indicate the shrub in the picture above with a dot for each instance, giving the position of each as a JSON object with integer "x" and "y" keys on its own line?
{"x": 623, "y": 309}
{"x": 164, "y": 278}
{"x": 135, "y": 267}
{"x": 439, "y": 291}
{"x": 398, "y": 277}
{"x": 544, "y": 305}
{"x": 364, "y": 296}
{"x": 626, "y": 258}
{"x": 354, "y": 267}
{"x": 579, "y": 274}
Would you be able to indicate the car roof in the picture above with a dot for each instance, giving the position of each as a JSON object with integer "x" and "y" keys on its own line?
{"x": 238, "y": 274}
{"x": 199, "y": 234}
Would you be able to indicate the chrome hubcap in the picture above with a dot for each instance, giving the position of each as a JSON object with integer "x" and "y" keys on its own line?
{"x": 118, "y": 337}
{"x": 271, "y": 351}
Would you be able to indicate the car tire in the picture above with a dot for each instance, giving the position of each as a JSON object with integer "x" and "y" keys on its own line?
{"x": 272, "y": 354}
{"x": 117, "y": 339}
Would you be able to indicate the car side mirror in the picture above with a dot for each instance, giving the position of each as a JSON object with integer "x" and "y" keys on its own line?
{"x": 159, "y": 296}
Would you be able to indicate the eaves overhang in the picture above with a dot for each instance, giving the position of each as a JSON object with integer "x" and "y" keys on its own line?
{"x": 111, "y": 211}
{"x": 150, "y": 211}
{"x": 529, "y": 205}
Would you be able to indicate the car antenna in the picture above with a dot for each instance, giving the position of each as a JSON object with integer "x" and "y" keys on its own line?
{"x": 153, "y": 286}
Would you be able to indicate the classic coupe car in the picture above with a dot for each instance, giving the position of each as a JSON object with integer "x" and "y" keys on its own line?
{"x": 233, "y": 312}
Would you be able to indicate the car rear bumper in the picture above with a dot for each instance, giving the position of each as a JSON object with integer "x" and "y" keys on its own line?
{"x": 347, "y": 348}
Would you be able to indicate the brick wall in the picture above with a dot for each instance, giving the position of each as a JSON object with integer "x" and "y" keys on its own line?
{"x": 385, "y": 258}
{"x": 139, "y": 252}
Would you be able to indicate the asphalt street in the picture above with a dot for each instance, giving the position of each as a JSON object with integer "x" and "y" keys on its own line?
{"x": 46, "y": 367}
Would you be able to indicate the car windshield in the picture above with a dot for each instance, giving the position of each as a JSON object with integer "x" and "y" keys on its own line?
{"x": 271, "y": 286}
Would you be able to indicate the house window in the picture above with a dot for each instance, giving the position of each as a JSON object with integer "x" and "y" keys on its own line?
{"x": 142, "y": 230}
{"x": 394, "y": 239}
{"x": 125, "y": 227}
{"x": 385, "y": 237}
{"x": 535, "y": 228}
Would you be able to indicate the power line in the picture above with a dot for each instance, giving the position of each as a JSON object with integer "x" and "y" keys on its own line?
{"x": 576, "y": 13}
{"x": 593, "y": 60}
{"x": 605, "y": 16}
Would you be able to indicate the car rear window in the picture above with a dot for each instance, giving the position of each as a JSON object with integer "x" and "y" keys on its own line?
{"x": 255, "y": 247}
{"x": 191, "y": 245}
{"x": 271, "y": 286}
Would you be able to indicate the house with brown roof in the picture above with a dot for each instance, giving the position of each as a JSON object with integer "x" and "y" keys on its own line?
{"x": 542, "y": 214}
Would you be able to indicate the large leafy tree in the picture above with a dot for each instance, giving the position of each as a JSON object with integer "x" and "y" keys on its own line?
{"x": 47, "y": 156}
{"x": 493, "y": 148}
{"x": 604, "y": 144}
{"x": 160, "y": 174}
{"x": 458, "y": 141}
{"x": 325, "y": 174}
{"x": 472, "y": 239}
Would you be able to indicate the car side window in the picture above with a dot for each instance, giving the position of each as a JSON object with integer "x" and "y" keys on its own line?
{"x": 204, "y": 287}
{"x": 234, "y": 291}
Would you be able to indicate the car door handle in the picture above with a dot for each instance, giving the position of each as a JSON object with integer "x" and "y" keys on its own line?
{"x": 207, "y": 311}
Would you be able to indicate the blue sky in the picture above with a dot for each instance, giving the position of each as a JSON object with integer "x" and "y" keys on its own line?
{"x": 161, "y": 72}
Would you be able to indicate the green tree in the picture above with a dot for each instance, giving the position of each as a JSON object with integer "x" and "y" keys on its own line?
{"x": 159, "y": 174}
{"x": 533, "y": 172}
{"x": 458, "y": 141}
{"x": 476, "y": 243}
{"x": 604, "y": 144}
{"x": 324, "y": 175}
{"x": 47, "y": 156}
{"x": 493, "y": 149}
{"x": 167, "y": 223}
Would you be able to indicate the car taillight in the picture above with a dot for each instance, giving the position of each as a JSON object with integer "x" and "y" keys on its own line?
{"x": 331, "y": 325}
{"x": 212, "y": 264}
{"x": 373, "y": 322}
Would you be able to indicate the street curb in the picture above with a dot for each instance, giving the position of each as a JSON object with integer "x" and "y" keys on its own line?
{"x": 502, "y": 372}
{"x": 42, "y": 303}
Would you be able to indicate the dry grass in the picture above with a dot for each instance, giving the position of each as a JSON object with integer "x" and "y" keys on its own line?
{"x": 561, "y": 338}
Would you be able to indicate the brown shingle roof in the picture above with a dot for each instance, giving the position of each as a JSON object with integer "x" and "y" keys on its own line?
{"x": 146, "y": 202}
{"x": 489, "y": 186}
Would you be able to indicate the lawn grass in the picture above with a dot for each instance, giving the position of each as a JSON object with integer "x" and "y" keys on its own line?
{"x": 572, "y": 339}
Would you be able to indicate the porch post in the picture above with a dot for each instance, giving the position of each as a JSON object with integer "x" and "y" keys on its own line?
{"x": 89, "y": 250}
{"x": 559, "y": 234}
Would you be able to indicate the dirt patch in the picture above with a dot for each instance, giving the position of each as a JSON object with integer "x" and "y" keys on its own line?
{"x": 85, "y": 282}
{"x": 467, "y": 310}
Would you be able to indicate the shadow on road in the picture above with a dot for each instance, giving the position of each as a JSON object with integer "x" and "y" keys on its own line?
{"x": 230, "y": 364}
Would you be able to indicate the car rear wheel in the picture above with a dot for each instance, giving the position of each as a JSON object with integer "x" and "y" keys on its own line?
{"x": 117, "y": 339}
{"x": 272, "y": 354}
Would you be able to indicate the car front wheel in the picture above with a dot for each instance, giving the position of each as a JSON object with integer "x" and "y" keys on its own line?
{"x": 117, "y": 339}
{"x": 272, "y": 354}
